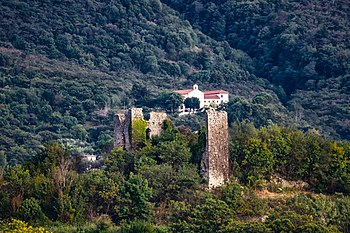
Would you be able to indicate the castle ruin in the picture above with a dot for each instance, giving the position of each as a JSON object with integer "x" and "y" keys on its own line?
{"x": 123, "y": 123}
{"x": 215, "y": 160}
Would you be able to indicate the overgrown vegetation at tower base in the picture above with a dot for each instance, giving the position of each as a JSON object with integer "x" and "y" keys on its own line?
{"x": 157, "y": 187}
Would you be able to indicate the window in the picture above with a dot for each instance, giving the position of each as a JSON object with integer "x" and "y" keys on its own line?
{"x": 222, "y": 96}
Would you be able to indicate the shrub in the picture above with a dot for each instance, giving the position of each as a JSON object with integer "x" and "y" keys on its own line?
{"x": 141, "y": 227}
{"x": 16, "y": 225}
{"x": 30, "y": 210}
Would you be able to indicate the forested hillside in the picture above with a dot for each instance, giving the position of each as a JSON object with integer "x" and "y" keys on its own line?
{"x": 301, "y": 45}
{"x": 66, "y": 67}
{"x": 277, "y": 175}
{"x": 66, "y": 64}
{"x": 63, "y": 61}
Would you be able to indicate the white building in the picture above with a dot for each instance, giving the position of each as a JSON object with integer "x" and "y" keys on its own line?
{"x": 89, "y": 158}
{"x": 207, "y": 98}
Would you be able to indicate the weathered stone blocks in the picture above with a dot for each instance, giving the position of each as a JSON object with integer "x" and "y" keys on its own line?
{"x": 155, "y": 123}
{"x": 215, "y": 160}
{"x": 121, "y": 130}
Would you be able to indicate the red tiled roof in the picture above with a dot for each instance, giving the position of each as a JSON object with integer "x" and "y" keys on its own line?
{"x": 215, "y": 92}
{"x": 211, "y": 97}
{"x": 184, "y": 92}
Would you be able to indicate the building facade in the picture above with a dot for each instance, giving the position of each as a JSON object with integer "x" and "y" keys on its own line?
{"x": 206, "y": 98}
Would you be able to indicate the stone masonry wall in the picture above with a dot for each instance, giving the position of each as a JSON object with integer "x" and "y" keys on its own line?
{"x": 155, "y": 123}
{"x": 121, "y": 130}
{"x": 135, "y": 113}
{"x": 215, "y": 160}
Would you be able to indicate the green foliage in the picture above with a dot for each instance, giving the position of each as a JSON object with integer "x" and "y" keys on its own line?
{"x": 30, "y": 211}
{"x": 140, "y": 93}
{"x": 20, "y": 226}
{"x": 17, "y": 182}
{"x": 207, "y": 216}
{"x": 65, "y": 66}
{"x": 260, "y": 110}
{"x": 174, "y": 152}
{"x": 145, "y": 190}
{"x": 3, "y": 159}
{"x": 258, "y": 154}
{"x": 135, "y": 199}
{"x": 258, "y": 160}
{"x": 101, "y": 192}
{"x": 262, "y": 98}
{"x": 138, "y": 133}
{"x": 315, "y": 229}
{"x": 99, "y": 66}
{"x": 282, "y": 225}
{"x": 119, "y": 160}
{"x": 168, "y": 183}
{"x": 252, "y": 227}
{"x": 192, "y": 103}
{"x": 211, "y": 216}
{"x": 232, "y": 194}
{"x": 306, "y": 60}
{"x": 141, "y": 227}
{"x": 170, "y": 101}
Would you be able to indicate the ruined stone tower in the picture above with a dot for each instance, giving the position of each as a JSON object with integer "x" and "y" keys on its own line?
{"x": 215, "y": 160}
{"x": 155, "y": 123}
{"x": 123, "y": 125}
{"x": 121, "y": 131}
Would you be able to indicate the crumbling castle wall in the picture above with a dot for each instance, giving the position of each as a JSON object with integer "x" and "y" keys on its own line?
{"x": 155, "y": 123}
{"x": 215, "y": 160}
{"x": 123, "y": 125}
{"x": 136, "y": 114}
{"x": 121, "y": 130}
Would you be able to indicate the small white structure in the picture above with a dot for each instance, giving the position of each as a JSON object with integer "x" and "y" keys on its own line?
{"x": 89, "y": 158}
{"x": 207, "y": 98}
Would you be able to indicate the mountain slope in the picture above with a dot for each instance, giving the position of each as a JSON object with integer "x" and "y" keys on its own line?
{"x": 66, "y": 64}
{"x": 303, "y": 46}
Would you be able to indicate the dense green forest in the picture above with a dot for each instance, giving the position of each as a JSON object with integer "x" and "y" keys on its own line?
{"x": 66, "y": 67}
{"x": 302, "y": 46}
{"x": 157, "y": 186}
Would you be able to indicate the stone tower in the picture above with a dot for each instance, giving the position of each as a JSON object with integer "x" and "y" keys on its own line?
{"x": 155, "y": 123}
{"x": 121, "y": 130}
{"x": 122, "y": 124}
{"x": 215, "y": 160}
